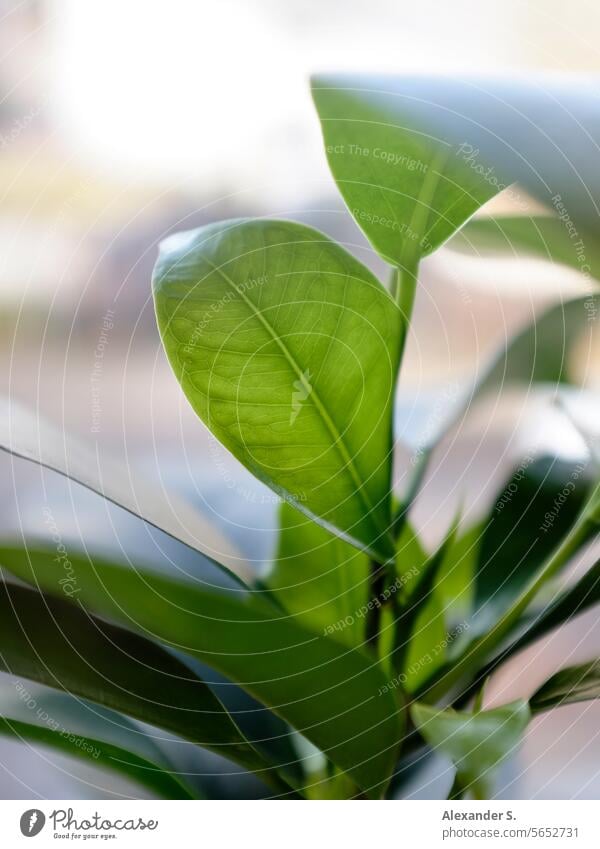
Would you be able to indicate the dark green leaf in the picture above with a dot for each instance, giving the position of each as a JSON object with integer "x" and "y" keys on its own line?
{"x": 157, "y": 779}
{"x": 482, "y": 648}
{"x": 530, "y": 517}
{"x": 408, "y": 190}
{"x": 476, "y": 742}
{"x": 327, "y": 692}
{"x": 574, "y": 684}
{"x": 287, "y": 348}
{"x": 59, "y": 644}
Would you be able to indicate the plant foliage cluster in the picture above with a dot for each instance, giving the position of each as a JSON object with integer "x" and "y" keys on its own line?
{"x": 361, "y": 651}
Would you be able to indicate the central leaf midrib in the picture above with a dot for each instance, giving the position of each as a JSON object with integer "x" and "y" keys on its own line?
{"x": 329, "y": 423}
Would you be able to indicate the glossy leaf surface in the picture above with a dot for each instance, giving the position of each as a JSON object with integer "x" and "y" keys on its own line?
{"x": 327, "y": 692}
{"x": 57, "y": 643}
{"x": 287, "y": 348}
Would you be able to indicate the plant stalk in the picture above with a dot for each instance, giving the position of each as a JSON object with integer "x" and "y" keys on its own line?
{"x": 377, "y": 576}
{"x": 405, "y": 291}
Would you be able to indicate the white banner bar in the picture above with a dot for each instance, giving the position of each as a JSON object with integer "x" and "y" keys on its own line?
{"x": 297, "y": 825}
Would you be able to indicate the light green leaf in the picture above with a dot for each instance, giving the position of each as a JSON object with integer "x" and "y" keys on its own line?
{"x": 574, "y": 684}
{"x": 409, "y": 190}
{"x": 539, "y": 353}
{"x": 27, "y": 435}
{"x": 320, "y": 578}
{"x": 327, "y": 692}
{"x": 57, "y": 643}
{"x": 287, "y": 348}
{"x": 160, "y": 781}
{"x": 421, "y": 633}
{"x": 476, "y": 742}
{"x": 503, "y": 130}
{"x": 456, "y": 584}
{"x": 544, "y": 237}
{"x": 410, "y": 554}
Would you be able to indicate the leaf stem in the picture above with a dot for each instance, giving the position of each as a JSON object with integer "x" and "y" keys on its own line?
{"x": 377, "y": 575}
{"x": 405, "y": 290}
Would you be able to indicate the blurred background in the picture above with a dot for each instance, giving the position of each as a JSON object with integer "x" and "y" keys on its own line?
{"x": 121, "y": 122}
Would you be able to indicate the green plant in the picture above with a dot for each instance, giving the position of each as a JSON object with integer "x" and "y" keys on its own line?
{"x": 361, "y": 642}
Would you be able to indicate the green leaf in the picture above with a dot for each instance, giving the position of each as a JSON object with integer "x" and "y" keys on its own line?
{"x": 574, "y": 684}
{"x": 327, "y": 692}
{"x": 157, "y": 779}
{"x": 25, "y": 434}
{"x": 407, "y": 189}
{"x": 543, "y": 237}
{"x": 503, "y": 131}
{"x": 57, "y": 643}
{"x": 287, "y": 348}
{"x": 583, "y": 530}
{"x": 476, "y": 742}
{"x": 410, "y": 554}
{"x": 539, "y": 353}
{"x": 411, "y": 558}
{"x": 582, "y": 595}
{"x": 531, "y": 515}
{"x": 456, "y": 583}
{"x": 320, "y": 578}
{"x": 421, "y": 622}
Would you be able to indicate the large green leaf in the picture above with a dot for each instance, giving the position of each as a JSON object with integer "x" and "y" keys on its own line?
{"x": 574, "y": 684}
{"x": 27, "y": 435}
{"x": 476, "y": 742}
{"x": 122, "y": 761}
{"x": 503, "y": 130}
{"x": 57, "y": 643}
{"x": 408, "y": 190}
{"x": 544, "y": 237}
{"x": 287, "y": 348}
{"x": 327, "y": 692}
{"x": 320, "y": 578}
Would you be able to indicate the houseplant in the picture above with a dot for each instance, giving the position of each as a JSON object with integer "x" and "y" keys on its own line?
{"x": 371, "y": 649}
